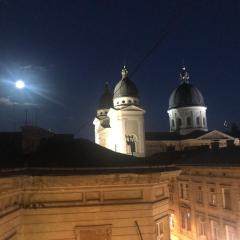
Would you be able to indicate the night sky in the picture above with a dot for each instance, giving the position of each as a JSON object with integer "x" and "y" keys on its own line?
{"x": 66, "y": 50}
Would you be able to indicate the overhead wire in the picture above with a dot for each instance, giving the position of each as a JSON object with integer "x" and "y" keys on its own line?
{"x": 165, "y": 32}
{"x": 173, "y": 22}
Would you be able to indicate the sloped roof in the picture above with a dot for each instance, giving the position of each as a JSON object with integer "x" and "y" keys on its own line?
{"x": 216, "y": 157}
{"x": 157, "y": 136}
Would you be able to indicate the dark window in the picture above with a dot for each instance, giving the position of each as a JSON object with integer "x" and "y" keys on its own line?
{"x": 173, "y": 123}
{"x": 204, "y": 122}
{"x": 189, "y": 122}
{"x": 123, "y": 101}
{"x": 129, "y": 101}
{"x": 179, "y": 121}
{"x": 198, "y": 121}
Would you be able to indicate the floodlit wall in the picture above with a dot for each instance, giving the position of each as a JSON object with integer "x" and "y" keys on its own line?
{"x": 112, "y": 206}
{"x": 205, "y": 204}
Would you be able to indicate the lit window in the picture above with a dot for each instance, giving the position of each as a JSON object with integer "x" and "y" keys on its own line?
{"x": 171, "y": 221}
{"x": 186, "y": 218}
{"x": 212, "y": 197}
{"x": 226, "y": 195}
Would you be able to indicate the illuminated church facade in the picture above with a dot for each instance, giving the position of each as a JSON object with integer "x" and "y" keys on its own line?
{"x": 119, "y": 124}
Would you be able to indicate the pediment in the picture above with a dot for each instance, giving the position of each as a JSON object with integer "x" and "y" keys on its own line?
{"x": 215, "y": 135}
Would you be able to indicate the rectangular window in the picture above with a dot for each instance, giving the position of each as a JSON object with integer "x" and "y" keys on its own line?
{"x": 171, "y": 221}
{"x": 181, "y": 190}
{"x": 186, "y": 218}
{"x": 212, "y": 197}
{"x": 230, "y": 233}
{"x": 160, "y": 230}
{"x": 214, "y": 230}
{"x": 184, "y": 191}
{"x": 202, "y": 228}
{"x": 199, "y": 195}
{"x": 226, "y": 195}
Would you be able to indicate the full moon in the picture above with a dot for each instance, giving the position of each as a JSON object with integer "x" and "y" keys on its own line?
{"x": 20, "y": 84}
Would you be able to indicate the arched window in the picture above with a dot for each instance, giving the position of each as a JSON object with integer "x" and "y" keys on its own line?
{"x": 123, "y": 101}
{"x": 189, "y": 122}
{"x": 179, "y": 122}
{"x": 198, "y": 121}
{"x": 204, "y": 122}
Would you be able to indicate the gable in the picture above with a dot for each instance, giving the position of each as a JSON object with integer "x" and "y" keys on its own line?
{"x": 215, "y": 135}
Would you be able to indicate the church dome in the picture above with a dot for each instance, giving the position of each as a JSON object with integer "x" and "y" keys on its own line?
{"x": 125, "y": 87}
{"x": 185, "y": 95}
{"x": 105, "y": 101}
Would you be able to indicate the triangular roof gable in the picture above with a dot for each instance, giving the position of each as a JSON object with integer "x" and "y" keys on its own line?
{"x": 215, "y": 134}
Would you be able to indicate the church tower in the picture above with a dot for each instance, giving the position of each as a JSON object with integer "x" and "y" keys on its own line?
{"x": 127, "y": 118}
{"x": 102, "y": 121}
{"x": 187, "y": 110}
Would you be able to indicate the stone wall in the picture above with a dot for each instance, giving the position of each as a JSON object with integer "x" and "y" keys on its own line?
{"x": 109, "y": 206}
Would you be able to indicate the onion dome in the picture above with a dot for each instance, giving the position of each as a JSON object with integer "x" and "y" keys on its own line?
{"x": 185, "y": 95}
{"x": 125, "y": 87}
{"x": 105, "y": 101}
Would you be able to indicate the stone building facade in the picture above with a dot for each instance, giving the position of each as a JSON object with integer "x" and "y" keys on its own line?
{"x": 205, "y": 203}
{"x": 85, "y": 207}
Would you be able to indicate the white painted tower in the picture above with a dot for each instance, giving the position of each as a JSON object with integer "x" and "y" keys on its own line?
{"x": 125, "y": 131}
{"x": 102, "y": 121}
{"x": 187, "y": 110}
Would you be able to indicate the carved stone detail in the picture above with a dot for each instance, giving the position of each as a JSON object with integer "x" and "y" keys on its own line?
{"x": 94, "y": 232}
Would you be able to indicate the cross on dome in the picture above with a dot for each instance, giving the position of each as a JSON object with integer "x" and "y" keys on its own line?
{"x": 184, "y": 76}
{"x": 124, "y": 72}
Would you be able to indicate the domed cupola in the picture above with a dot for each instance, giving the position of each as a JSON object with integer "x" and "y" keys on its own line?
{"x": 187, "y": 110}
{"x": 125, "y": 92}
{"x": 185, "y": 94}
{"x": 105, "y": 102}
